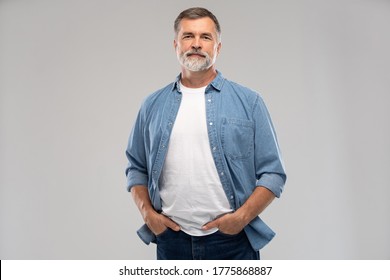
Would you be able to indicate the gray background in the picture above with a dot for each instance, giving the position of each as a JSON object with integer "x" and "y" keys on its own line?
{"x": 73, "y": 74}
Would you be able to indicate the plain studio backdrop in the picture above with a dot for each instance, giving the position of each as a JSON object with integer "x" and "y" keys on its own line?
{"x": 72, "y": 77}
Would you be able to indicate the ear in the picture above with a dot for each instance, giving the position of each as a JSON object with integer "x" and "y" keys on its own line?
{"x": 219, "y": 47}
{"x": 174, "y": 44}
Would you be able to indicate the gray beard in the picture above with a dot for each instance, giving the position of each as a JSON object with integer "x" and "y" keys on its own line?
{"x": 195, "y": 64}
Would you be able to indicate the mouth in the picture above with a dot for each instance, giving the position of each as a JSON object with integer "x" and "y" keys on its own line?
{"x": 196, "y": 55}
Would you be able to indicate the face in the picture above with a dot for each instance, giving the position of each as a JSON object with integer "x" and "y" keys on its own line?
{"x": 197, "y": 44}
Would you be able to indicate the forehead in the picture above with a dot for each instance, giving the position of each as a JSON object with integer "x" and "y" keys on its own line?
{"x": 203, "y": 25}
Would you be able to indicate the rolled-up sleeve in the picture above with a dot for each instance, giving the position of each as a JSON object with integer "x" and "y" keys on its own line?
{"x": 273, "y": 182}
{"x": 136, "y": 171}
{"x": 270, "y": 171}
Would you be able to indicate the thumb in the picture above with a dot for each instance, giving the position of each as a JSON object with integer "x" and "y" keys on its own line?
{"x": 171, "y": 224}
{"x": 210, "y": 225}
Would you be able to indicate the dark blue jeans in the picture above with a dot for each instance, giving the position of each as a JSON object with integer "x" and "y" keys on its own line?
{"x": 172, "y": 245}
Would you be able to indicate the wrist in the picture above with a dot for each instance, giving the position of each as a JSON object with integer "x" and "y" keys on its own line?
{"x": 148, "y": 212}
{"x": 242, "y": 217}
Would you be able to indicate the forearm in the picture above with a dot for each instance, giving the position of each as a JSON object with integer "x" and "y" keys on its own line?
{"x": 141, "y": 198}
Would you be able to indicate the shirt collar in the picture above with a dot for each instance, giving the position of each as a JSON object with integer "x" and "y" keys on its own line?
{"x": 217, "y": 83}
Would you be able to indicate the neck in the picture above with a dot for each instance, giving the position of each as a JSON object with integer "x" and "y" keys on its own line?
{"x": 197, "y": 79}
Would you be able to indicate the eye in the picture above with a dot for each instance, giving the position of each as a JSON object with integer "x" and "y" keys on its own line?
{"x": 188, "y": 36}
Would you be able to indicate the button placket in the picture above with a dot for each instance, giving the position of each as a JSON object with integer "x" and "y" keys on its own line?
{"x": 161, "y": 153}
{"x": 213, "y": 138}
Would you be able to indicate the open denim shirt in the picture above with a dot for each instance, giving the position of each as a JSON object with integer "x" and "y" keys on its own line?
{"x": 242, "y": 140}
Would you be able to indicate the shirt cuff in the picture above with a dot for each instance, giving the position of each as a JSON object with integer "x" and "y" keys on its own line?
{"x": 272, "y": 181}
{"x": 136, "y": 178}
{"x": 146, "y": 235}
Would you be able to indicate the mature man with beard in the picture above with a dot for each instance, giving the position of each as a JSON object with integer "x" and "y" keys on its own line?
{"x": 203, "y": 157}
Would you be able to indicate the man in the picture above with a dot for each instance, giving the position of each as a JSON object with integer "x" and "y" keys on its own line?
{"x": 204, "y": 161}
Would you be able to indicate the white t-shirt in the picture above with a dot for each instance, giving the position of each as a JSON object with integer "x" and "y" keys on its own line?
{"x": 190, "y": 189}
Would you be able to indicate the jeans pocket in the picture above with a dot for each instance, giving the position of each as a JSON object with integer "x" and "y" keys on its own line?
{"x": 165, "y": 232}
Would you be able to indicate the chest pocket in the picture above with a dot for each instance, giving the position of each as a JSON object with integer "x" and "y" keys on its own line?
{"x": 237, "y": 138}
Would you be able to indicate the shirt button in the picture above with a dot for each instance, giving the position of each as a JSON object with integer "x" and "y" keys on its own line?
{"x": 231, "y": 197}
{"x": 222, "y": 173}
{"x": 211, "y": 123}
{"x": 214, "y": 148}
{"x": 209, "y": 100}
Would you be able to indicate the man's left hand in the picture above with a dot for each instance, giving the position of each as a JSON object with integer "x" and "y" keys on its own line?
{"x": 229, "y": 223}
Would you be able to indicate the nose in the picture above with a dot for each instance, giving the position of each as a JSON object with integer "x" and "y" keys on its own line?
{"x": 196, "y": 44}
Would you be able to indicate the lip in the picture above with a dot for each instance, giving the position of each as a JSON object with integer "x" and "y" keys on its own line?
{"x": 196, "y": 54}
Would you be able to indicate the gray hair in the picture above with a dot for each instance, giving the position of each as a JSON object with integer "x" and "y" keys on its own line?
{"x": 196, "y": 13}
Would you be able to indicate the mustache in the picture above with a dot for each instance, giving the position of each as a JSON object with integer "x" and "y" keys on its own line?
{"x": 197, "y": 52}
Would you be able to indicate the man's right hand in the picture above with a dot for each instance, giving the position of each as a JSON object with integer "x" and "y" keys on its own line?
{"x": 158, "y": 223}
{"x": 155, "y": 221}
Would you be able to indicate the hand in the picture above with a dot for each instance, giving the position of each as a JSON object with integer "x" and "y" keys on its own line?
{"x": 158, "y": 223}
{"x": 229, "y": 224}
{"x": 233, "y": 223}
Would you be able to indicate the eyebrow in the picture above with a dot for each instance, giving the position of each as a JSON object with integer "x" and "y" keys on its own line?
{"x": 202, "y": 34}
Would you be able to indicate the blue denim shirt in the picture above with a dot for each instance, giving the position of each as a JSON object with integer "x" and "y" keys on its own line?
{"x": 242, "y": 140}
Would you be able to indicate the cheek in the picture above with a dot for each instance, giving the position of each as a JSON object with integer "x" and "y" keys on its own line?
{"x": 181, "y": 48}
{"x": 178, "y": 50}
{"x": 214, "y": 52}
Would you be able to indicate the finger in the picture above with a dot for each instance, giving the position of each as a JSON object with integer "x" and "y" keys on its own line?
{"x": 210, "y": 225}
{"x": 171, "y": 224}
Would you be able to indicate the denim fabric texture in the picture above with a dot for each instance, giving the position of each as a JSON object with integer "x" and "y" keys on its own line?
{"x": 242, "y": 140}
{"x": 172, "y": 245}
